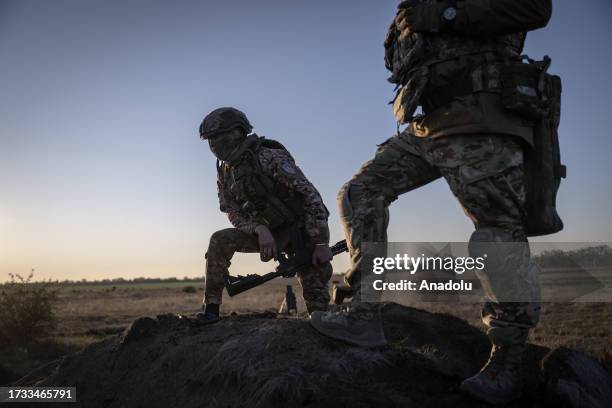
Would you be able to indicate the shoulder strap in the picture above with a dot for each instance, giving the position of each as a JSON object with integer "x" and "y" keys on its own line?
{"x": 274, "y": 144}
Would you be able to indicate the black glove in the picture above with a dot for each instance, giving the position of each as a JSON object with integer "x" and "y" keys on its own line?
{"x": 415, "y": 16}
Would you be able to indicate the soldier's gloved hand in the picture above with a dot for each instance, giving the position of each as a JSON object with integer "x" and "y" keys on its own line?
{"x": 415, "y": 16}
{"x": 267, "y": 244}
{"x": 321, "y": 254}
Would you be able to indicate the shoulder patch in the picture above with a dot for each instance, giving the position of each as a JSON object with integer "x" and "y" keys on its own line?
{"x": 288, "y": 168}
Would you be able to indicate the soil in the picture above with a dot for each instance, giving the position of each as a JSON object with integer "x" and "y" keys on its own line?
{"x": 267, "y": 360}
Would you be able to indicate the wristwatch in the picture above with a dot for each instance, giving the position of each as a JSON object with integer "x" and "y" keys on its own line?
{"x": 449, "y": 14}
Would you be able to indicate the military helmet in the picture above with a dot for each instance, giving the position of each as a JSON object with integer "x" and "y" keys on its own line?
{"x": 223, "y": 120}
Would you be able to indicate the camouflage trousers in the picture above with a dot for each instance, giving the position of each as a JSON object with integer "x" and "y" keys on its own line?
{"x": 221, "y": 248}
{"x": 484, "y": 172}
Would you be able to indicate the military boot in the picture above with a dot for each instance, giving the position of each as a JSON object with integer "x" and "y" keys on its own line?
{"x": 500, "y": 380}
{"x": 340, "y": 293}
{"x": 210, "y": 314}
{"x": 361, "y": 325}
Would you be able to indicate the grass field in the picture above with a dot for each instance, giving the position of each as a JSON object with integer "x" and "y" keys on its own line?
{"x": 105, "y": 287}
{"x": 87, "y": 313}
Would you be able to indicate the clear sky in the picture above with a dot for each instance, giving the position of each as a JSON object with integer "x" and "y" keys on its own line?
{"x": 102, "y": 173}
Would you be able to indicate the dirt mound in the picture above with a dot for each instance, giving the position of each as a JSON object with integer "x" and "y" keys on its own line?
{"x": 263, "y": 360}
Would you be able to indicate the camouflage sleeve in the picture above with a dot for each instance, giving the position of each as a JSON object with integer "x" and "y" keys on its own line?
{"x": 501, "y": 16}
{"x": 279, "y": 165}
{"x": 232, "y": 209}
{"x": 241, "y": 222}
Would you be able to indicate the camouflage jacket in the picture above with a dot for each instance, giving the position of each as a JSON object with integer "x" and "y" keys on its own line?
{"x": 272, "y": 161}
{"x": 452, "y": 75}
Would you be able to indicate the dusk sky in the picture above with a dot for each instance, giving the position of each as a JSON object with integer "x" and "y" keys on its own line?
{"x": 102, "y": 172}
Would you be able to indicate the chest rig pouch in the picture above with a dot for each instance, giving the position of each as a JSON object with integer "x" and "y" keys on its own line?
{"x": 258, "y": 195}
{"x": 522, "y": 87}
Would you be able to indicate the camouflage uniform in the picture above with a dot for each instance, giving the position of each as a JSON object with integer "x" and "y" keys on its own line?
{"x": 447, "y": 57}
{"x": 484, "y": 172}
{"x": 464, "y": 134}
{"x": 235, "y": 179}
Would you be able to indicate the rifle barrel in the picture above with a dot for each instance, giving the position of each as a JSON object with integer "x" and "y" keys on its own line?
{"x": 339, "y": 247}
{"x": 251, "y": 281}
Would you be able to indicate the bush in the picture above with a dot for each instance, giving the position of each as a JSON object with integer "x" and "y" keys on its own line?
{"x": 189, "y": 289}
{"x": 26, "y": 309}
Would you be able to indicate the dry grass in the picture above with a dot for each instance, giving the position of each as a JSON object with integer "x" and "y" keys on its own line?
{"x": 93, "y": 314}
{"x": 87, "y": 312}
{"x": 85, "y": 316}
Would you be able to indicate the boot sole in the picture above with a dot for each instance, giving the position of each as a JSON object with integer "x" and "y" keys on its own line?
{"x": 201, "y": 322}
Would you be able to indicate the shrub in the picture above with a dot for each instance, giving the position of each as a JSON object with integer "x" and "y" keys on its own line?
{"x": 26, "y": 309}
{"x": 189, "y": 289}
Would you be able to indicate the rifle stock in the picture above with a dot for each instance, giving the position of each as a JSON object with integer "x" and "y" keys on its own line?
{"x": 288, "y": 267}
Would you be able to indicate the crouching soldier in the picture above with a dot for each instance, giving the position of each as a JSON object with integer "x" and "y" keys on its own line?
{"x": 270, "y": 203}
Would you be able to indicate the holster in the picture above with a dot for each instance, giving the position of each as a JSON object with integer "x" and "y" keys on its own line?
{"x": 528, "y": 90}
{"x": 542, "y": 164}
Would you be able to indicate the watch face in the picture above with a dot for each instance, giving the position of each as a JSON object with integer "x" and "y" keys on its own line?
{"x": 449, "y": 13}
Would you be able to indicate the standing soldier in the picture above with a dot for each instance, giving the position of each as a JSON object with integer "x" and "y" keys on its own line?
{"x": 270, "y": 203}
{"x": 454, "y": 59}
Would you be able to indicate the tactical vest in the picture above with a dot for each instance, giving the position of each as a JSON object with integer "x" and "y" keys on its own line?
{"x": 493, "y": 65}
{"x": 409, "y": 59}
{"x": 258, "y": 195}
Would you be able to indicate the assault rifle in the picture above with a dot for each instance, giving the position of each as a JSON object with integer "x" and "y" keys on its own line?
{"x": 289, "y": 265}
